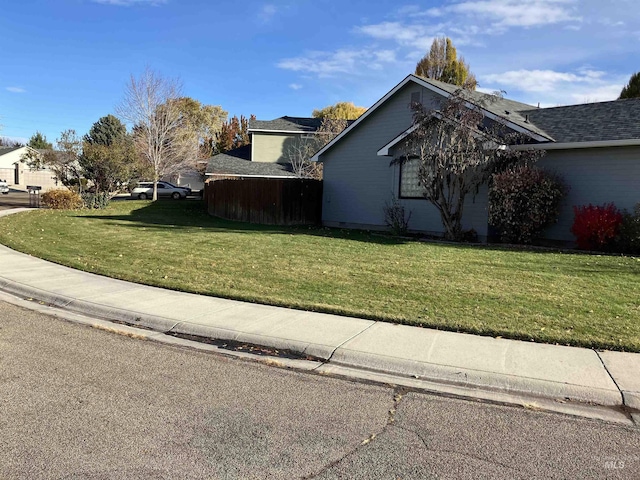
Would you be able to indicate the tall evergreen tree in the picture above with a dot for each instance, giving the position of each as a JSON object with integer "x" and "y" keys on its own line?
{"x": 632, "y": 89}
{"x": 106, "y": 131}
{"x": 442, "y": 63}
{"x": 39, "y": 142}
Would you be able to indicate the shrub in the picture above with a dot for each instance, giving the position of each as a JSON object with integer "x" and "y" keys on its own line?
{"x": 396, "y": 217}
{"x": 595, "y": 226}
{"x": 96, "y": 200}
{"x": 628, "y": 239}
{"x": 61, "y": 199}
{"x": 523, "y": 201}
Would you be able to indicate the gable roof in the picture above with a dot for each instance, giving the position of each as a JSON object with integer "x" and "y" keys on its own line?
{"x": 286, "y": 124}
{"x": 493, "y": 109}
{"x": 574, "y": 126}
{"x": 5, "y": 150}
{"x": 237, "y": 162}
{"x": 509, "y": 110}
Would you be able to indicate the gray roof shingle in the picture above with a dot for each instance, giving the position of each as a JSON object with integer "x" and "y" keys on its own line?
{"x": 5, "y": 150}
{"x": 502, "y": 107}
{"x": 601, "y": 121}
{"x": 238, "y": 162}
{"x": 589, "y": 122}
{"x": 287, "y": 124}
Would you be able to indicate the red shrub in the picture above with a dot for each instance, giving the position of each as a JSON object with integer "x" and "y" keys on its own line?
{"x": 595, "y": 226}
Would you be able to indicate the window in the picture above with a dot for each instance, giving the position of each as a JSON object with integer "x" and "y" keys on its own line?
{"x": 416, "y": 97}
{"x": 409, "y": 183}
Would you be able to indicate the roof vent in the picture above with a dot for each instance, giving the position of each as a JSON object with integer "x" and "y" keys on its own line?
{"x": 526, "y": 119}
{"x": 507, "y": 112}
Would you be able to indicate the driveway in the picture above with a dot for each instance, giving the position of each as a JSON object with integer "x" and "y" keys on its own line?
{"x": 14, "y": 199}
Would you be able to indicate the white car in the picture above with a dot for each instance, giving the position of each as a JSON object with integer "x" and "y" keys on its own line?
{"x": 144, "y": 190}
{"x": 4, "y": 188}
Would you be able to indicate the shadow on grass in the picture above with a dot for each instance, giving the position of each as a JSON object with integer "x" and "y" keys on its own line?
{"x": 166, "y": 214}
{"x": 192, "y": 214}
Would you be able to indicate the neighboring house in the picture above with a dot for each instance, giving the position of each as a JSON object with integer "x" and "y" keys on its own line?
{"x": 595, "y": 147}
{"x": 273, "y": 141}
{"x": 18, "y": 174}
{"x": 237, "y": 163}
{"x": 9, "y": 156}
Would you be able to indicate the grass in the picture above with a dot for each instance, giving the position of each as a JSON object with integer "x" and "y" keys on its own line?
{"x": 566, "y": 298}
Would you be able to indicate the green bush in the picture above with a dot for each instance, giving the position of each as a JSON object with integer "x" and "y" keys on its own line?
{"x": 628, "y": 238}
{"x": 96, "y": 200}
{"x": 523, "y": 201}
{"x": 62, "y": 199}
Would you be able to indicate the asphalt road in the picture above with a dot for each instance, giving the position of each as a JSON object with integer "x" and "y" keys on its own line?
{"x": 14, "y": 199}
{"x": 78, "y": 402}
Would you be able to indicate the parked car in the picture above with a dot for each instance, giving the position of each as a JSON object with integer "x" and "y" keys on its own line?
{"x": 4, "y": 188}
{"x": 144, "y": 190}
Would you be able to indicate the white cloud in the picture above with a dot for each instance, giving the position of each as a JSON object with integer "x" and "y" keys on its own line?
{"x": 267, "y": 12}
{"x": 15, "y": 89}
{"x": 343, "y": 61}
{"x": 466, "y": 21}
{"x": 554, "y": 88}
{"x": 418, "y": 36}
{"x": 295, "y": 86}
{"x": 512, "y": 13}
{"x": 129, "y": 3}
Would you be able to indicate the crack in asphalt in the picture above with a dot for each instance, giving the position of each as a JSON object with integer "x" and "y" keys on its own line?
{"x": 398, "y": 394}
{"x": 452, "y": 452}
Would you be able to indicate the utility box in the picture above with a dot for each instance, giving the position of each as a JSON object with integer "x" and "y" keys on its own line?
{"x": 34, "y": 195}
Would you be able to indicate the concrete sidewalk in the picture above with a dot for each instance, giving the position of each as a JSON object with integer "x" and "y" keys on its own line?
{"x": 550, "y": 372}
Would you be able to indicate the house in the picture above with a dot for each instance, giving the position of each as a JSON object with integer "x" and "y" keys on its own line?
{"x": 269, "y": 154}
{"x": 237, "y": 163}
{"x": 18, "y": 173}
{"x": 273, "y": 141}
{"x": 595, "y": 147}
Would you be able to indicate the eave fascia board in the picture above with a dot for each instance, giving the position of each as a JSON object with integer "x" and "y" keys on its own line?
{"x": 489, "y": 114}
{"x": 384, "y": 151}
{"x": 260, "y": 130}
{"x": 248, "y": 176}
{"x": 433, "y": 88}
{"x": 632, "y": 142}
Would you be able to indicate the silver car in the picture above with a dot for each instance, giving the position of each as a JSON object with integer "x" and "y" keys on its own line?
{"x": 144, "y": 190}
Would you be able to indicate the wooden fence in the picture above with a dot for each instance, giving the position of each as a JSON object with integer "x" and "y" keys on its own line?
{"x": 267, "y": 201}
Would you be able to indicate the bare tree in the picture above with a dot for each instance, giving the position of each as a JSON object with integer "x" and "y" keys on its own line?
{"x": 300, "y": 153}
{"x": 458, "y": 148}
{"x": 160, "y": 130}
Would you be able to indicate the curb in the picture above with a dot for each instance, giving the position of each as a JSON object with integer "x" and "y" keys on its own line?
{"x": 368, "y": 349}
{"x": 342, "y": 356}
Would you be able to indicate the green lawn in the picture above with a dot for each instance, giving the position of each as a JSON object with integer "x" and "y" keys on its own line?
{"x": 543, "y": 296}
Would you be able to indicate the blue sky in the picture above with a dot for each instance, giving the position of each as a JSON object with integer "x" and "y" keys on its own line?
{"x": 65, "y": 62}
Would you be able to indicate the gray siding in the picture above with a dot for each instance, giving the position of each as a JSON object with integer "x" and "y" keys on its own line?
{"x": 596, "y": 176}
{"x": 357, "y": 182}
